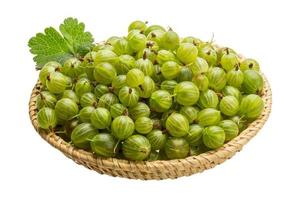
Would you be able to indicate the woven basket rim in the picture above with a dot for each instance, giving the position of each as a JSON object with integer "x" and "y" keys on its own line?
{"x": 173, "y": 168}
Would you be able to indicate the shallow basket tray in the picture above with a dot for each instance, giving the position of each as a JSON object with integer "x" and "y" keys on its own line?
{"x": 161, "y": 169}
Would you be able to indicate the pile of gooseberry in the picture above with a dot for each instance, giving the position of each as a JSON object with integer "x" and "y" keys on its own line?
{"x": 150, "y": 95}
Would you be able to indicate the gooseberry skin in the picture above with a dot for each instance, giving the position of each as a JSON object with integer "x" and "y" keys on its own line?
{"x": 208, "y": 53}
{"x": 137, "y": 25}
{"x": 165, "y": 56}
{"x": 252, "y": 82}
{"x": 100, "y": 90}
{"x": 176, "y": 148}
{"x": 154, "y": 27}
{"x": 230, "y": 128}
{"x": 139, "y": 110}
{"x": 194, "y": 135}
{"x": 66, "y": 109}
{"x": 122, "y": 127}
{"x": 104, "y": 73}
{"x": 104, "y": 144}
{"x": 88, "y": 99}
{"x": 124, "y": 64}
{"x": 117, "y": 110}
{"x": 241, "y": 123}
{"x": 229, "y": 105}
{"x": 235, "y": 78}
{"x": 107, "y": 100}
{"x": 249, "y": 63}
{"x": 186, "y": 53}
{"x": 208, "y": 99}
{"x": 147, "y": 87}
{"x": 121, "y": 47}
{"x": 217, "y": 78}
{"x": 136, "y": 147}
{"x": 110, "y": 41}
{"x": 128, "y": 96}
{"x": 57, "y": 83}
{"x": 46, "y": 118}
{"x": 187, "y": 93}
{"x": 136, "y": 40}
{"x": 229, "y": 61}
{"x": 70, "y": 94}
{"x": 134, "y": 77}
{"x": 119, "y": 82}
{"x": 189, "y": 112}
{"x": 185, "y": 74}
{"x": 72, "y": 68}
{"x": 168, "y": 85}
{"x": 160, "y": 101}
{"x": 169, "y": 40}
{"x": 103, "y": 56}
{"x": 46, "y": 99}
{"x": 157, "y": 139}
{"x": 213, "y": 137}
{"x": 100, "y": 118}
{"x": 82, "y": 134}
{"x": 145, "y": 65}
{"x": 177, "y": 125}
{"x": 143, "y": 125}
{"x": 232, "y": 91}
{"x": 82, "y": 86}
{"x": 208, "y": 117}
{"x": 170, "y": 70}
{"x": 199, "y": 66}
{"x": 48, "y": 68}
{"x": 85, "y": 114}
{"x": 251, "y": 106}
{"x": 201, "y": 81}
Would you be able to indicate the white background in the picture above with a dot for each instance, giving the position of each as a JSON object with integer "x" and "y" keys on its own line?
{"x": 264, "y": 30}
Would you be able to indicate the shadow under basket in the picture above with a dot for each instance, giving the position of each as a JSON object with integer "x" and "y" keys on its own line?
{"x": 161, "y": 169}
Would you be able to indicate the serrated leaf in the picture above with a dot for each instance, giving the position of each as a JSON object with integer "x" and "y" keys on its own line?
{"x": 49, "y": 46}
{"x": 74, "y": 33}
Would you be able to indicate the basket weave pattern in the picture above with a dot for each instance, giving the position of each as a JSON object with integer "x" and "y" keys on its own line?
{"x": 154, "y": 169}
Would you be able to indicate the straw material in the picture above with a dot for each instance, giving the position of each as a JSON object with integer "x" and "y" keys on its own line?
{"x": 153, "y": 169}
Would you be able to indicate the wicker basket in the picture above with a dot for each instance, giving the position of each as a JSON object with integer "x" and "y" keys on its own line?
{"x": 154, "y": 169}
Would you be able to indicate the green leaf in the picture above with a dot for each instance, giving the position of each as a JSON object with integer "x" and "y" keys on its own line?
{"x": 49, "y": 46}
{"x": 53, "y": 46}
{"x": 74, "y": 33}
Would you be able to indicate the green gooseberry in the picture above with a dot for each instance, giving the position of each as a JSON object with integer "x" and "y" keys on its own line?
{"x": 139, "y": 110}
{"x": 104, "y": 144}
{"x": 169, "y": 40}
{"x": 57, "y": 83}
{"x": 157, "y": 139}
{"x": 72, "y": 67}
{"x": 151, "y": 28}
{"x": 201, "y": 81}
{"x": 187, "y": 53}
{"x": 185, "y": 74}
{"x": 137, "y": 25}
{"x": 107, "y": 100}
{"x": 186, "y": 93}
{"x": 48, "y": 68}
{"x": 199, "y": 66}
{"x": 134, "y": 77}
{"x": 100, "y": 118}
{"x": 122, "y": 127}
{"x": 165, "y": 56}
{"x": 100, "y": 90}
{"x": 229, "y": 105}
{"x": 106, "y": 55}
{"x": 251, "y": 106}
{"x": 177, "y": 125}
{"x": 85, "y": 114}
{"x": 136, "y": 40}
{"x": 46, "y": 99}
{"x": 235, "y": 77}
{"x": 208, "y": 117}
{"x": 46, "y": 118}
{"x": 82, "y": 86}
{"x": 249, "y": 63}
{"x": 128, "y": 96}
{"x": 124, "y": 64}
{"x": 146, "y": 89}
{"x": 176, "y": 148}
{"x": 208, "y": 99}
{"x": 230, "y": 128}
{"x": 229, "y": 61}
{"x": 189, "y": 112}
{"x": 170, "y": 70}
{"x": 143, "y": 125}
{"x": 160, "y": 101}
{"x": 104, "y": 73}
{"x": 195, "y": 134}
{"x": 253, "y": 82}
{"x": 118, "y": 110}
{"x": 217, "y": 78}
{"x": 168, "y": 85}
{"x": 213, "y": 137}
{"x": 121, "y": 47}
{"x": 119, "y": 82}
{"x": 232, "y": 91}
{"x": 88, "y": 99}
{"x": 136, "y": 147}
{"x": 208, "y": 53}
{"x": 66, "y": 109}
{"x": 82, "y": 134}
{"x": 70, "y": 94}
{"x": 145, "y": 65}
